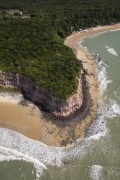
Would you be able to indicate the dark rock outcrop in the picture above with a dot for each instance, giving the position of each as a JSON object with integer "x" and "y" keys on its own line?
{"x": 54, "y": 105}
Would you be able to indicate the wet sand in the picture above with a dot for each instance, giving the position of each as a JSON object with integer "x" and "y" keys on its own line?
{"x": 28, "y": 119}
{"x": 21, "y": 119}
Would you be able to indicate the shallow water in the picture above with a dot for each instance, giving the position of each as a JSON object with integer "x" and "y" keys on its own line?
{"x": 94, "y": 158}
{"x": 18, "y": 169}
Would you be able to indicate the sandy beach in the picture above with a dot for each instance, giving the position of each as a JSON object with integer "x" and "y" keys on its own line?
{"x": 24, "y": 117}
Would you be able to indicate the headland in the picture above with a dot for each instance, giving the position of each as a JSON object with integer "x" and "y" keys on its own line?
{"x": 56, "y": 130}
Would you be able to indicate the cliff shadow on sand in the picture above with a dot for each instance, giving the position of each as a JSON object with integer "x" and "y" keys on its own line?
{"x": 64, "y": 126}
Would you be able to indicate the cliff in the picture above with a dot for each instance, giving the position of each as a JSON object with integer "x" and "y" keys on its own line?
{"x": 58, "y": 107}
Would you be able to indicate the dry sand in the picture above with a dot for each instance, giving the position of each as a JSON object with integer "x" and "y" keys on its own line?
{"x": 27, "y": 119}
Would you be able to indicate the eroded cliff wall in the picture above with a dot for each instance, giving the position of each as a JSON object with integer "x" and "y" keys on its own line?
{"x": 55, "y": 105}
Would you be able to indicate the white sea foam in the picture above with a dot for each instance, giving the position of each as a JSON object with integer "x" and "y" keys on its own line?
{"x": 115, "y": 30}
{"x": 7, "y": 154}
{"x": 112, "y": 109}
{"x": 97, "y": 136}
{"x": 31, "y": 148}
{"x": 98, "y": 34}
{"x": 111, "y": 50}
{"x": 80, "y": 44}
{"x": 80, "y": 41}
{"x": 14, "y": 146}
{"x": 102, "y": 77}
{"x": 40, "y": 152}
{"x": 96, "y": 172}
{"x": 86, "y": 49}
{"x": 21, "y": 147}
{"x": 98, "y": 128}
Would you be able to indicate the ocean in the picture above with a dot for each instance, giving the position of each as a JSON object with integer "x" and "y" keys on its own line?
{"x": 97, "y": 157}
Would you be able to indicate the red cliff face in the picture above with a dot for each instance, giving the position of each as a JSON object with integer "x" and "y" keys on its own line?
{"x": 56, "y": 106}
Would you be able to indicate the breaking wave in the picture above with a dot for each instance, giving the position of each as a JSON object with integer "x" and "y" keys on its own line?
{"x": 106, "y": 109}
{"x": 111, "y": 51}
{"x": 98, "y": 127}
{"x": 112, "y": 109}
{"x": 96, "y": 172}
{"x": 14, "y": 146}
{"x": 102, "y": 76}
{"x": 7, "y": 154}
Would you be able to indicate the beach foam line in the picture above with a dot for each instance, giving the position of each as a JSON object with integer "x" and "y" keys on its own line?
{"x": 96, "y": 172}
{"x": 29, "y": 147}
{"x": 101, "y": 30}
{"x": 111, "y": 51}
{"x": 7, "y": 154}
{"x": 115, "y": 30}
{"x": 97, "y": 136}
{"x": 43, "y": 153}
{"x": 102, "y": 77}
{"x": 18, "y": 145}
{"x": 98, "y": 128}
{"x": 101, "y": 70}
{"x": 112, "y": 109}
{"x": 106, "y": 110}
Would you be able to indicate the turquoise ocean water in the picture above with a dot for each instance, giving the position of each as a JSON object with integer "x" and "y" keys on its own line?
{"x": 97, "y": 157}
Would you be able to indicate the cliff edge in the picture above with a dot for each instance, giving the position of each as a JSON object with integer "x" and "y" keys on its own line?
{"x": 56, "y": 106}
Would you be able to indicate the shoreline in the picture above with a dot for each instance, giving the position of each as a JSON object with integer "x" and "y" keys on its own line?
{"x": 56, "y": 134}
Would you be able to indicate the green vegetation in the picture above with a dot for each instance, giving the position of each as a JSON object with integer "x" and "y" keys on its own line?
{"x": 26, "y": 48}
{"x": 10, "y": 89}
{"x": 34, "y": 47}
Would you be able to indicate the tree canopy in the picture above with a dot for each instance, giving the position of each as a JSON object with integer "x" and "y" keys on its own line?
{"x": 34, "y": 46}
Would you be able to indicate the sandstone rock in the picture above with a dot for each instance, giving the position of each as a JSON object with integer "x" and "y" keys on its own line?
{"x": 55, "y": 105}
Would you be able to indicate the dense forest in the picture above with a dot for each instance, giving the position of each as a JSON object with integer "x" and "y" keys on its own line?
{"x": 34, "y": 46}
